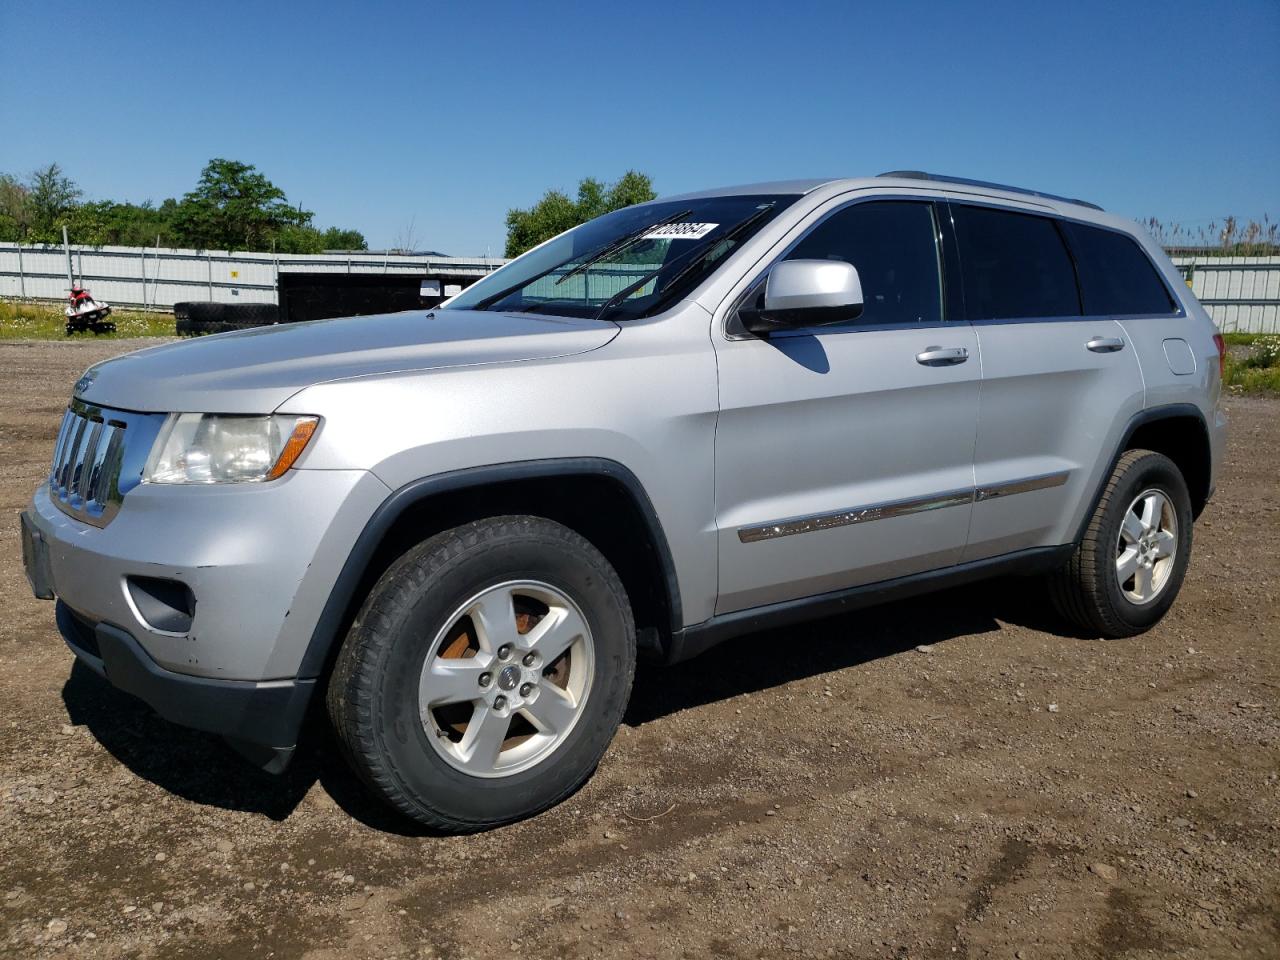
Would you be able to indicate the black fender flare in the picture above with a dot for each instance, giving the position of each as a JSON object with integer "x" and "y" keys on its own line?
{"x": 1167, "y": 411}
{"x": 325, "y": 635}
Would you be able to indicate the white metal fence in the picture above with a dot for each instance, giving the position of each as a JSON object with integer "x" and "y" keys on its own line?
{"x": 145, "y": 277}
{"x": 1240, "y": 293}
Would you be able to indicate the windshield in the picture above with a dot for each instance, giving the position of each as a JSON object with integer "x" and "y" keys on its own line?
{"x": 626, "y": 264}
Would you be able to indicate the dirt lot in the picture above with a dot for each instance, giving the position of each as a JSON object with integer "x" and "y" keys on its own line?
{"x": 1010, "y": 790}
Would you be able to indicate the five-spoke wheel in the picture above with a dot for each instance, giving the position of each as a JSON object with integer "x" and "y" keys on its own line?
{"x": 486, "y": 673}
{"x": 1147, "y": 546}
{"x": 506, "y": 678}
{"x": 1124, "y": 573}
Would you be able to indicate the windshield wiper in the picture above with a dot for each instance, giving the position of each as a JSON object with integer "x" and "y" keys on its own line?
{"x": 732, "y": 232}
{"x": 622, "y": 243}
{"x": 606, "y": 250}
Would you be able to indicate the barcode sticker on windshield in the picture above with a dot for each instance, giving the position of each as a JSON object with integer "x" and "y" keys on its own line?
{"x": 681, "y": 231}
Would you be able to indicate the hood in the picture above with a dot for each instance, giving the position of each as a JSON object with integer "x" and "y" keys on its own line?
{"x": 255, "y": 370}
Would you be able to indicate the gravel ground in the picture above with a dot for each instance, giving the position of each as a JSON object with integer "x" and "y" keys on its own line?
{"x": 954, "y": 776}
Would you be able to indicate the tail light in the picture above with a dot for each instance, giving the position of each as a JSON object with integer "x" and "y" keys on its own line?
{"x": 1221, "y": 344}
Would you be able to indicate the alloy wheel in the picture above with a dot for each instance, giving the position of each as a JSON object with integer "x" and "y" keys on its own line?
{"x": 1147, "y": 546}
{"x": 505, "y": 681}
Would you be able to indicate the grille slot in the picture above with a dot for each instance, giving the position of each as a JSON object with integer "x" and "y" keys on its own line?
{"x": 98, "y": 458}
{"x": 76, "y": 481}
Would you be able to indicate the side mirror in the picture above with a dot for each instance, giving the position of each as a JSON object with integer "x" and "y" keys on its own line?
{"x": 805, "y": 293}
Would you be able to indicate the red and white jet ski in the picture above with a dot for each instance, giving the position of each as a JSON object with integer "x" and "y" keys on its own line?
{"x": 85, "y": 313}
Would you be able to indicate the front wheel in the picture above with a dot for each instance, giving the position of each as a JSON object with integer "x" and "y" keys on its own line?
{"x": 486, "y": 673}
{"x": 1127, "y": 569}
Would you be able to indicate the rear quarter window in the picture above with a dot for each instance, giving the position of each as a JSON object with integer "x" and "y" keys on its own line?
{"x": 1116, "y": 275}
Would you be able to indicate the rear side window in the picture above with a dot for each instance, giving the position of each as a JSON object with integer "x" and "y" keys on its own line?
{"x": 1116, "y": 276}
{"x": 1014, "y": 265}
{"x": 894, "y": 245}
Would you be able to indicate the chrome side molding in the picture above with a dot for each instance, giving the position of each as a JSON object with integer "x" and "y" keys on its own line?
{"x": 898, "y": 508}
{"x": 843, "y": 518}
{"x": 1042, "y": 482}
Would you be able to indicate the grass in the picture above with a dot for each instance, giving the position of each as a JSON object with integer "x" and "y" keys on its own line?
{"x": 1255, "y": 370}
{"x": 1257, "y": 380}
{"x": 45, "y": 321}
{"x": 1241, "y": 339}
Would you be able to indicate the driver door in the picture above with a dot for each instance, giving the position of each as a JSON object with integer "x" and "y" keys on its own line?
{"x": 844, "y": 454}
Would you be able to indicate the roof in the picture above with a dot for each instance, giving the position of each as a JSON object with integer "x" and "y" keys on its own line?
{"x": 907, "y": 178}
{"x": 984, "y": 184}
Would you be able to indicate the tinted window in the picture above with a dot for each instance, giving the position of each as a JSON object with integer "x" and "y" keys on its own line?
{"x": 1116, "y": 277}
{"x": 894, "y": 246}
{"x": 1013, "y": 265}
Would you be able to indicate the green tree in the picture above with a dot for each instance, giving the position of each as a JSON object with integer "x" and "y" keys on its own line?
{"x": 297, "y": 238}
{"x": 556, "y": 212}
{"x": 307, "y": 239}
{"x": 337, "y": 238}
{"x": 51, "y": 196}
{"x": 122, "y": 224}
{"x": 234, "y": 207}
{"x": 14, "y": 210}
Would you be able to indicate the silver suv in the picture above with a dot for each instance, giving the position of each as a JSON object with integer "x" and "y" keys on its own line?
{"x": 677, "y": 423}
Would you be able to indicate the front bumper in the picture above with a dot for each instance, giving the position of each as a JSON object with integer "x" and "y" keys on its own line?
{"x": 259, "y": 560}
{"x": 262, "y": 720}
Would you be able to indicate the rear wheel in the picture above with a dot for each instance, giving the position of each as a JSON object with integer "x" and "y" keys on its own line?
{"x": 1127, "y": 569}
{"x": 486, "y": 673}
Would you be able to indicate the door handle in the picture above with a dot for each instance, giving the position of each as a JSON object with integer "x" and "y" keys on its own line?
{"x": 1105, "y": 344}
{"x": 942, "y": 356}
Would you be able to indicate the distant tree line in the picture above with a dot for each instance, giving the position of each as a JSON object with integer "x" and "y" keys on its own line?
{"x": 556, "y": 212}
{"x": 233, "y": 207}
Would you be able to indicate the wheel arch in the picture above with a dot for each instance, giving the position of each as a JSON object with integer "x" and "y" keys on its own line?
{"x": 1177, "y": 430}
{"x": 600, "y": 499}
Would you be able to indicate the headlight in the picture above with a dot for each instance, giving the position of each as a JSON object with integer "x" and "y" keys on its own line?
{"x": 221, "y": 448}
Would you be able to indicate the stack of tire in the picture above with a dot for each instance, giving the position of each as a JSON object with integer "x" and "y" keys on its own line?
{"x": 195, "y": 318}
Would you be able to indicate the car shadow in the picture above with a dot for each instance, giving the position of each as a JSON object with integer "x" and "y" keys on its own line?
{"x": 770, "y": 658}
{"x": 201, "y": 768}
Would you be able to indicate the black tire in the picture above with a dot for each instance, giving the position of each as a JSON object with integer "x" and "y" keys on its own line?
{"x": 251, "y": 314}
{"x": 373, "y": 691}
{"x": 193, "y": 318}
{"x": 1087, "y": 590}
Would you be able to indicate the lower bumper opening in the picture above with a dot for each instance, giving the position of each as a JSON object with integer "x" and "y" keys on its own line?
{"x": 262, "y": 720}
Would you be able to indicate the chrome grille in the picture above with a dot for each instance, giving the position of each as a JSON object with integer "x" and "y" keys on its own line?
{"x": 96, "y": 459}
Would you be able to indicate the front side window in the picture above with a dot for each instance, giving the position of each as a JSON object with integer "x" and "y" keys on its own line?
{"x": 1014, "y": 265}
{"x": 894, "y": 245}
{"x": 630, "y": 263}
{"x": 1116, "y": 277}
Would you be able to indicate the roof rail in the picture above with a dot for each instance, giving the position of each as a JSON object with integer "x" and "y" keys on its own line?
{"x": 921, "y": 175}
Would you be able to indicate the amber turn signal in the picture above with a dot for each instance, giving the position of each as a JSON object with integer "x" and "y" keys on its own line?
{"x": 294, "y": 446}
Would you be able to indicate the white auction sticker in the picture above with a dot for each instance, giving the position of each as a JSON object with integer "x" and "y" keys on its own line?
{"x": 681, "y": 231}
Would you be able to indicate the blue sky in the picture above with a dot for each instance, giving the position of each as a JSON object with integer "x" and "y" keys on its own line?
{"x": 379, "y": 115}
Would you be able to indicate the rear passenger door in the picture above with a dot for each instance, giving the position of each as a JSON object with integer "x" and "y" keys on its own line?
{"x": 1055, "y": 382}
{"x": 1118, "y": 280}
